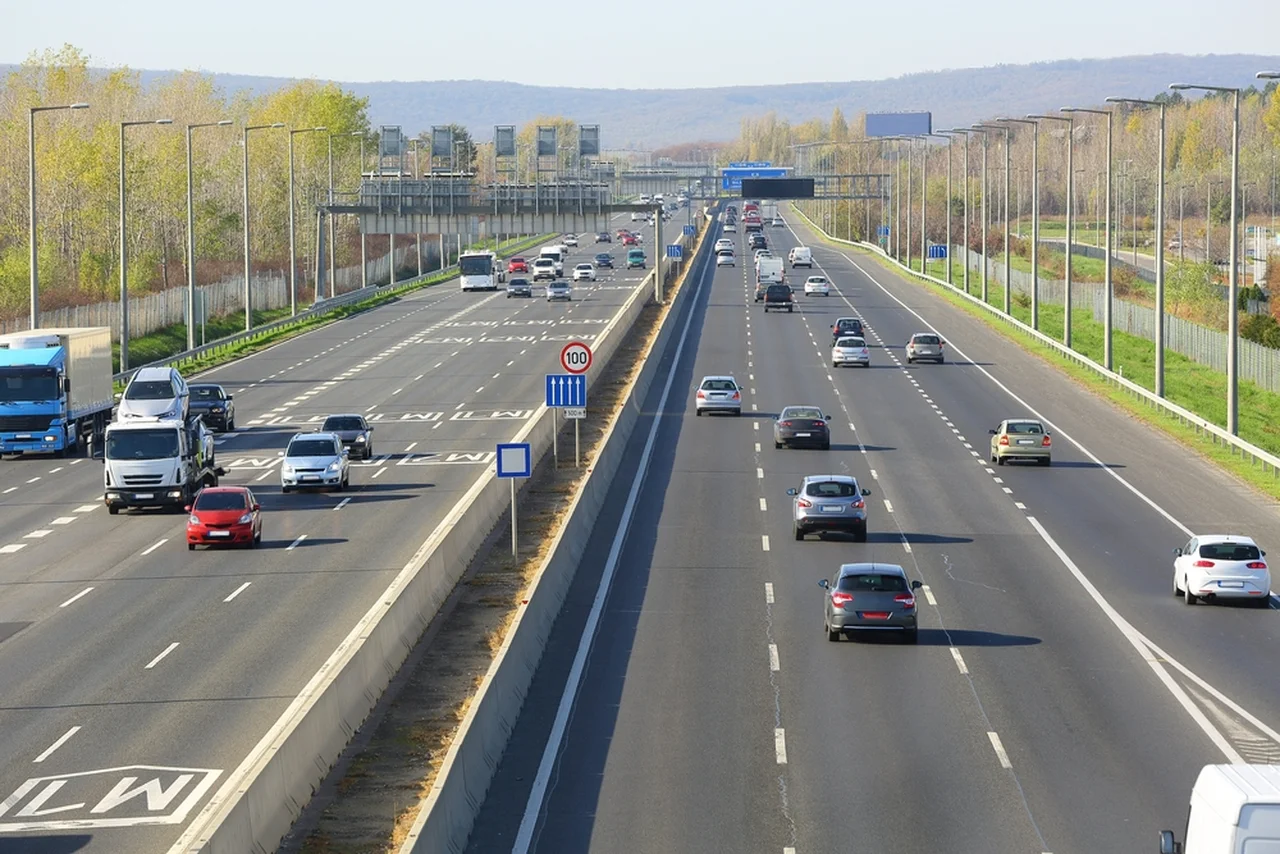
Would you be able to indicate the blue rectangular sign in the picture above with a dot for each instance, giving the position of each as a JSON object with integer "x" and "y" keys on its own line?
{"x": 515, "y": 459}
{"x": 762, "y": 164}
{"x": 937, "y": 250}
{"x": 883, "y": 231}
{"x": 675, "y": 250}
{"x": 689, "y": 230}
{"x": 731, "y": 179}
{"x": 566, "y": 390}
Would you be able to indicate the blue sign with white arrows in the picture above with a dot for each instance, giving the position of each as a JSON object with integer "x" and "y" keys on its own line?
{"x": 883, "y": 231}
{"x": 937, "y": 250}
{"x": 566, "y": 390}
{"x": 689, "y": 230}
{"x": 675, "y": 250}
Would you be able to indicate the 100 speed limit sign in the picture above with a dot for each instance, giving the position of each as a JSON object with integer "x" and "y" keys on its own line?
{"x": 575, "y": 357}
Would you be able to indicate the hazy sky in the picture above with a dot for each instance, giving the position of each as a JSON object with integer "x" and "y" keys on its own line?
{"x": 650, "y": 44}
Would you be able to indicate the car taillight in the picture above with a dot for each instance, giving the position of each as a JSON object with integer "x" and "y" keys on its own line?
{"x": 859, "y": 504}
{"x": 787, "y": 424}
{"x": 1205, "y": 564}
{"x": 1046, "y": 443}
{"x": 804, "y": 502}
{"x": 906, "y": 600}
{"x": 1004, "y": 440}
{"x": 839, "y": 600}
{"x": 737, "y": 395}
{"x": 701, "y": 395}
{"x": 1256, "y": 564}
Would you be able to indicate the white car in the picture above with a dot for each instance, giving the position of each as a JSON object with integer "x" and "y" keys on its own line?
{"x": 725, "y": 259}
{"x": 724, "y": 243}
{"x": 559, "y": 290}
{"x": 817, "y": 285}
{"x": 779, "y": 222}
{"x": 728, "y": 226}
{"x": 718, "y": 394}
{"x": 1221, "y": 566}
{"x": 762, "y": 253}
{"x": 850, "y": 350}
{"x": 636, "y": 216}
{"x": 584, "y": 273}
{"x": 314, "y": 460}
{"x": 544, "y": 268}
{"x": 571, "y": 240}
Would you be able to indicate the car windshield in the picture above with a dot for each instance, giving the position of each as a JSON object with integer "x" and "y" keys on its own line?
{"x": 1026, "y": 428}
{"x": 802, "y": 412}
{"x": 926, "y": 339}
{"x": 584, "y": 266}
{"x": 475, "y": 265}
{"x": 517, "y": 260}
{"x": 1229, "y": 551}
{"x": 778, "y": 290}
{"x": 335, "y": 423}
{"x": 851, "y": 342}
{"x": 221, "y": 501}
{"x": 23, "y": 384}
{"x": 206, "y": 392}
{"x": 874, "y": 583}
{"x": 832, "y": 489}
{"x": 310, "y": 448}
{"x": 150, "y": 390}
{"x": 817, "y": 280}
{"x": 153, "y": 444}
{"x": 518, "y": 283}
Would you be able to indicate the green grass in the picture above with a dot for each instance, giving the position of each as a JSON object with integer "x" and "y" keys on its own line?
{"x": 170, "y": 340}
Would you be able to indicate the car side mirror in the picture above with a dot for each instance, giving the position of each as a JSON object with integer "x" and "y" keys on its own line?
{"x": 824, "y": 584}
{"x": 993, "y": 432}
{"x": 66, "y": 385}
{"x": 220, "y": 471}
{"x": 827, "y": 418}
{"x": 231, "y": 397}
{"x": 1168, "y": 845}
{"x": 866, "y": 492}
{"x": 1264, "y": 554}
{"x": 370, "y": 428}
{"x": 1177, "y": 552}
{"x": 916, "y": 585}
{"x": 792, "y": 492}
{"x": 187, "y": 509}
{"x": 345, "y": 452}
{"x": 257, "y": 507}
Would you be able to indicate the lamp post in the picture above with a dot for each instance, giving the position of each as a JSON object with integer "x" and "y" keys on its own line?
{"x": 949, "y": 135}
{"x": 1035, "y": 216}
{"x": 364, "y": 244}
{"x": 1066, "y": 301}
{"x": 1108, "y": 282}
{"x": 124, "y": 247}
{"x": 965, "y": 277}
{"x": 191, "y": 234}
{"x": 1008, "y": 266}
{"x": 417, "y": 176}
{"x": 1182, "y": 243}
{"x": 293, "y": 255}
{"x": 31, "y": 201}
{"x": 333, "y": 250}
{"x": 248, "y": 291}
{"x": 985, "y": 264}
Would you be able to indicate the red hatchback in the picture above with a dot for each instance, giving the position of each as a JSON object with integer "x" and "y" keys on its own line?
{"x": 517, "y": 265}
{"x": 629, "y": 240}
{"x": 224, "y": 514}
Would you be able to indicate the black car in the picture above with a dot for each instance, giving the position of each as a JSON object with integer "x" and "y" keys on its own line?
{"x": 846, "y": 326}
{"x": 519, "y": 288}
{"x": 603, "y": 260}
{"x": 213, "y": 405}
{"x": 778, "y": 297}
{"x": 604, "y": 237}
{"x": 356, "y": 433}
{"x": 802, "y": 425}
{"x": 755, "y": 240}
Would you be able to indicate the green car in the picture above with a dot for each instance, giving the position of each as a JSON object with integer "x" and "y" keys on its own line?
{"x": 635, "y": 258}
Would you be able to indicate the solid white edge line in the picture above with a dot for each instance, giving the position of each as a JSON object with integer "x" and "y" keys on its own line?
{"x": 82, "y": 593}
{"x": 170, "y": 648}
{"x": 780, "y": 745}
{"x": 1000, "y": 752}
{"x": 537, "y": 792}
{"x": 238, "y": 591}
{"x": 66, "y": 736}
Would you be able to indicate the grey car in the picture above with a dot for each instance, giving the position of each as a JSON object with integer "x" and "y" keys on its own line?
{"x": 355, "y": 432}
{"x": 802, "y": 425}
{"x": 212, "y": 403}
{"x": 829, "y": 502}
{"x": 559, "y": 290}
{"x": 314, "y": 460}
{"x": 870, "y": 597}
{"x": 718, "y": 394}
{"x": 926, "y": 347}
{"x": 519, "y": 288}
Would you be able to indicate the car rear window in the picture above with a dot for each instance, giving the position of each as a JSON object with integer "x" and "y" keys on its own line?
{"x": 206, "y": 392}
{"x": 831, "y": 489}
{"x": 719, "y": 385}
{"x": 1025, "y": 428}
{"x": 851, "y": 342}
{"x": 221, "y": 501}
{"x": 926, "y": 339}
{"x": 1229, "y": 551}
{"x": 873, "y": 583}
{"x": 807, "y": 412}
{"x": 779, "y": 290}
{"x": 849, "y": 324}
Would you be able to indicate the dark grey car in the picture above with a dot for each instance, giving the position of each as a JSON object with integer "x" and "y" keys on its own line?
{"x": 829, "y": 502}
{"x": 870, "y": 597}
{"x": 926, "y": 347}
{"x": 356, "y": 433}
{"x": 214, "y": 406}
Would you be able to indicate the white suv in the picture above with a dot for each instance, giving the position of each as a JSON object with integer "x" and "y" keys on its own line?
{"x": 544, "y": 268}
{"x": 155, "y": 393}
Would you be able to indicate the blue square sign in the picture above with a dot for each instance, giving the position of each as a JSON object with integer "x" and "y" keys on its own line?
{"x": 689, "y": 230}
{"x": 514, "y": 460}
{"x": 675, "y": 250}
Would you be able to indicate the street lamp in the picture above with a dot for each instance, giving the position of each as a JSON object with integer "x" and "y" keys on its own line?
{"x": 124, "y": 248}
{"x": 417, "y": 176}
{"x": 1035, "y": 216}
{"x": 1108, "y": 286}
{"x": 1233, "y": 277}
{"x": 248, "y": 291}
{"x": 985, "y": 211}
{"x": 965, "y": 131}
{"x": 293, "y": 259}
{"x": 1066, "y": 301}
{"x": 1008, "y": 268}
{"x": 191, "y": 235}
{"x": 333, "y": 252}
{"x": 31, "y": 200}
{"x": 949, "y": 136}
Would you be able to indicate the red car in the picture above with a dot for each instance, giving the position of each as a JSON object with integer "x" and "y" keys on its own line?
{"x": 629, "y": 240}
{"x": 224, "y": 514}
{"x": 517, "y": 265}
{"x": 622, "y": 232}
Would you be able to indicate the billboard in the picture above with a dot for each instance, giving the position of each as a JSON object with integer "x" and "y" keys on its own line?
{"x": 441, "y": 141}
{"x": 777, "y": 188}
{"x": 504, "y": 141}
{"x": 899, "y": 124}
{"x": 732, "y": 178}
{"x": 391, "y": 141}
{"x": 589, "y": 140}
{"x": 546, "y": 141}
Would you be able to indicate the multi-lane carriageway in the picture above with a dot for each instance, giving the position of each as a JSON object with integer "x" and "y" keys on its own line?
{"x": 119, "y": 648}
{"x": 1060, "y": 698}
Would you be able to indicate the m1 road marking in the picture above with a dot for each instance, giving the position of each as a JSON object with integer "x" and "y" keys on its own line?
{"x": 127, "y": 796}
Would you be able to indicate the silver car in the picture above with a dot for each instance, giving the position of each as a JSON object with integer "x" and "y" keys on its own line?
{"x": 870, "y": 597}
{"x": 850, "y": 351}
{"x": 559, "y": 290}
{"x": 829, "y": 502}
{"x": 718, "y": 394}
{"x": 926, "y": 346}
{"x": 314, "y": 460}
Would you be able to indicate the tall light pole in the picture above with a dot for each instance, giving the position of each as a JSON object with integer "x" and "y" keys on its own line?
{"x": 1035, "y": 216}
{"x": 1182, "y": 203}
{"x": 124, "y": 247}
{"x": 1108, "y": 283}
{"x": 248, "y": 291}
{"x": 31, "y": 201}
{"x": 1233, "y": 277}
{"x": 417, "y": 176}
{"x": 191, "y": 234}
{"x": 1160, "y": 273}
{"x": 985, "y": 262}
{"x": 949, "y": 135}
{"x": 1008, "y": 266}
{"x": 966, "y": 133}
{"x": 364, "y": 244}
{"x": 293, "y": 255}
{"x": 1066, "y": 302}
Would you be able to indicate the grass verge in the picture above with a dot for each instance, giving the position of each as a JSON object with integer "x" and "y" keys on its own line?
{"x": 1193, "y": 386}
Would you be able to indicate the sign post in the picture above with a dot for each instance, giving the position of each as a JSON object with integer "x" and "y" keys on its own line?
{"x": 564, "y": 390}
{"x": 514, "y": 461}
{"x": 571, "y": 392}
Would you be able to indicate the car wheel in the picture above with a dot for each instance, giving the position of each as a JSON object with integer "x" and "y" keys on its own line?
{"x": 368, "y": 452}
{"x": 910, "y": 361}
{"x": 113, "y": 510}
{"x": 999, "y": 460}
{"x": 1047, "y": 461}
{"x": 789, "y": 309}
{"x": 860, "y": 533}
{"x": 285, "y": 490}
{"x": 826, "y": 446}
{"x": 257, "y": 539}
{"x": 737, "y": 413}
{"x": 941, "y": 361}
{"x": 698, "y": 412}
{"x": 799, "y": 532}
{"x": 1264, "y": 602}
{"x": 831, "y": 636}
{"x": 911, "y": 636}
{"x": 835, "y": 364}
{"x": 231, "y": 426}
{"x": 1187, "y": 596}
{"x": 1177, "y": 591}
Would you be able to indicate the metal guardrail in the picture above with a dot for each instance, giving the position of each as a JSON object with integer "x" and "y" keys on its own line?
{"x": 1203, "y": 426}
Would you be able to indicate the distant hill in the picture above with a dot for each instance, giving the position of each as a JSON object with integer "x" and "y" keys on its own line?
{"x": 655, "y": 117}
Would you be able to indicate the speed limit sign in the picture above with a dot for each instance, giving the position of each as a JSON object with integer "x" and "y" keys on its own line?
{"x": 575, "y": 357}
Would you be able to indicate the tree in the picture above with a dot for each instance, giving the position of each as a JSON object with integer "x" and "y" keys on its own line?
{"x": 839, "y": 127}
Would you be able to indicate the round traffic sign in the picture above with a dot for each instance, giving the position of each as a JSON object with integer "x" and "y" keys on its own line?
{"x": 575, "y": 357}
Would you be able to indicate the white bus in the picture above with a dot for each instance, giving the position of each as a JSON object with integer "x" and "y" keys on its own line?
{"x": 479, "y": 271}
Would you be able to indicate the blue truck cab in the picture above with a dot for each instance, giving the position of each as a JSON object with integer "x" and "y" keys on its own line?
{"x": 55, "y": 389}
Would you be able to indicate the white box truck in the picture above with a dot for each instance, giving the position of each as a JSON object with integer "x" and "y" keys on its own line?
{"x": 55, "y": 389}
{"x": 1235, "y": 809}
{"x": 157, "y": 463}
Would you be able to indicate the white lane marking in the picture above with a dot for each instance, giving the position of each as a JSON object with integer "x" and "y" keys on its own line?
{"x": 764, "y": 542}
{"x": 887, "y": 506}
{"x": 10, "y": 489}
{"x": 760, "y": 474}
{"x": 11, "y": 548}
{"x": 170, "y": 648}
{"x": 477, "y": 391}
{"x": 410, "y": 447}
{"x": 757, "y": 447}
{"x": 999, "y": 749}
{"x": 955, "y": 653}
{"x": 37, "y": 535}
{"x": 75, "y": 462}
{"x": 266, "y": 474}
{"x": 764, "y": 508}
{"x": 34, "y": 479}
{"x": 774, "y": 664}
{"x": 397, "y": 391}
{"x": 371, "y": 408}
{"x": 495, "y": 376}
{"x": 379, "y": 472}
{"x": 1019, "y": 505}
{"x": 768, "y": 593}
{"x": 755, "y": 425}
{"x": 1007, "y": 490}
{"x": 295, "y": 543}
{"x": 81, "y": 594}
{"x": 48, "y": 751}
{"x": 998, "y": 479}
{"x": 851, "y": 427}
{"x": 342, "y": 503}
{"x": 238, "y": 591}
{"x": 780, "y": 745}
{"x": 64, "y": 520}
{"x": 874, "y": 476}
{"x": 928, "y": 595}
{"x": 55, "y": 471}
{"x": 906, "y": 546}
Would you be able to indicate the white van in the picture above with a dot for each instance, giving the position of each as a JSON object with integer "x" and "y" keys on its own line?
{"x": 556, "y": 254}
{"x": 801, "y": 256}
{"x": 1235, "y": 809}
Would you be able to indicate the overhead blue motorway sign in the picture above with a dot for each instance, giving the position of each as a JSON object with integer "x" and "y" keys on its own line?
{"x": 763, "y": 164}
{"x": 731, "y": 179}
{"x": 566, "y": 390}
{"x": 899, "y": 124}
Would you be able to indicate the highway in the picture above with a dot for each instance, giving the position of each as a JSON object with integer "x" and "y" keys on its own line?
{"x": 119, "y": 648}
{"x": 1060, "y": 698}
